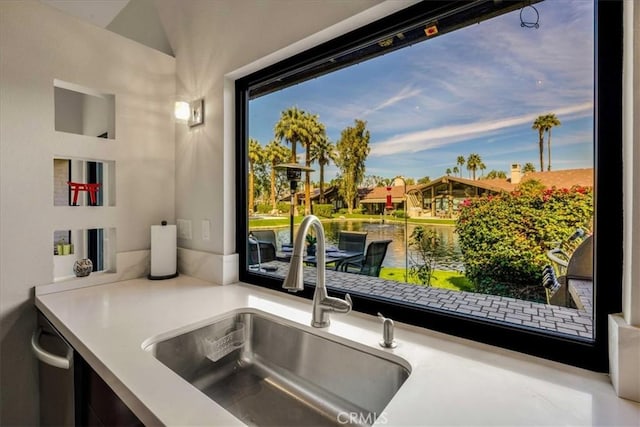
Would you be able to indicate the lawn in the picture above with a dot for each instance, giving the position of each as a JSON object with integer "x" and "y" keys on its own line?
{"x": 284, "y": 221}
{"x": 441, "y": 279}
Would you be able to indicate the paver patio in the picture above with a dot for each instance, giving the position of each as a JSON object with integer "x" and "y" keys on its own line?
{"x": 560, "y": 320}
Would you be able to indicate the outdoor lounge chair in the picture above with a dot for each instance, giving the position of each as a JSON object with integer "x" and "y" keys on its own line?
{"x": 372, "y": 262}
{"x": 265, "y": 236}
{"x": 267, "y": 250}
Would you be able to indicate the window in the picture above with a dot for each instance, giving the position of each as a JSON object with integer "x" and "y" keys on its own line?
{"x": 516, "y": 321}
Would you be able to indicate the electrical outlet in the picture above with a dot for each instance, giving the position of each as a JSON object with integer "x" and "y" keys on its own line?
{"x": 184, "y": 229}
{"x": 206, "y": 229}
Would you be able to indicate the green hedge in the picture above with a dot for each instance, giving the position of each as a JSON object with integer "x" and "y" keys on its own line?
{"x": 323, "y": 210}
{"x": 504, "y": 238}
{"x": 266, "y": 208}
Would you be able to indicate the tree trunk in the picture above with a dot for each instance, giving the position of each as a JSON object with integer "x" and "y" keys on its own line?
{"x": 273, "y": 188}
{"x": 541, "y": 146}
{"x": 549, "y": 148}
{"x": 307, "y": 192}
{"x": 251, "y": 188}
{"x": 321, "y": 183}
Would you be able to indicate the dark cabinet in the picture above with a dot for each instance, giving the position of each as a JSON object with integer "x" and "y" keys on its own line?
{"x": 71, "y": 392}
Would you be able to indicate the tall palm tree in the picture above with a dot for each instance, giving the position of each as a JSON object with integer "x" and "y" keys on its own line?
{"x": 323, "y": 152}
{"x": 448, "y": 171}
{"x": 550, "y": 120}
{"x": 275, "y": 153}
{"x": 473, "y": 163}
{"x": 291, "y": 128}
{"x": 482, "y": 167}
{"x": 314, "y": 133}
{"x": 460, "y": 162}
{"x": 539, "y": 124}
{"x": 255, "y": 155}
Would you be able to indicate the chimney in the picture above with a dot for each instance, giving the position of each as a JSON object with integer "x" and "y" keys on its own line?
{"x": 516, "y": 175}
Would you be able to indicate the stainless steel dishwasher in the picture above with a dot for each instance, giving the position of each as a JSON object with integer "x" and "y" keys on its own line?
{"x": 57, "y": 375}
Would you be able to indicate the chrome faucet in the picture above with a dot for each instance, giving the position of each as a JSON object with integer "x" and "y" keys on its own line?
{"x": 323, "y": 304}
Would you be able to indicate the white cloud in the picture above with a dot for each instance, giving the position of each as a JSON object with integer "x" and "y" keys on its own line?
{"x": 445, "y": 135}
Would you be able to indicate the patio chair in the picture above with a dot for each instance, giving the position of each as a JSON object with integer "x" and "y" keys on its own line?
{"x": 265, "y": 236}
{"x": 352, "y": 241}
{"x": 267, "y": 250}
{"x": 372, "y": 262}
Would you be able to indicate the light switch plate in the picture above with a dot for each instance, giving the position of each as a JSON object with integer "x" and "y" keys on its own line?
{"x": 184, "y": 229}
{"x": 206, "y": 229}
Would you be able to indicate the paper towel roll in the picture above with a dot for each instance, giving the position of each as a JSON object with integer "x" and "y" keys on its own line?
{"x": 164, "y": 252}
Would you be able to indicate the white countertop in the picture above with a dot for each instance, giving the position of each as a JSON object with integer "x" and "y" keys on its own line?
{"x": 453, "y": 381}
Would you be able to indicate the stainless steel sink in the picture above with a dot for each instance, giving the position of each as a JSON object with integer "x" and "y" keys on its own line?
{"x": 268, "y": 371}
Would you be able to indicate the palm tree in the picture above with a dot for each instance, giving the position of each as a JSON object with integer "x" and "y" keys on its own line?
{"x": 275, "y": 153}
{"x": 455, "y": 170}
{"x": 314, "y": 133}
{"x": 540, "y": 126}
{"x": 323, "y": 152}
{"x": 473, "y": 163}
{"x": 528, "y": 167}
{"x": 256, "y": 155}
{"x": 550, "y": 121}
{"x": 290, "y": 128}
{"x": 482, "y": 167}
{"x": 448, "y": 171}
{"x": 460, "y": 162}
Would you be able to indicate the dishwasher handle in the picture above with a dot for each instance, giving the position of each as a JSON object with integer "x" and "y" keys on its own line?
{"x": 49, "y": 358}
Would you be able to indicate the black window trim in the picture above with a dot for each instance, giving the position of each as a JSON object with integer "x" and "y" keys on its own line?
{"x": 608, "y": 231}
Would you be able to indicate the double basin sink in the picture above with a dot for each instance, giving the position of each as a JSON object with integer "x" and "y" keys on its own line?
{"x": 268, "y": 371}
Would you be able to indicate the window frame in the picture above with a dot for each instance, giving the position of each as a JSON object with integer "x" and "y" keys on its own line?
{"x": 608, "y": 231}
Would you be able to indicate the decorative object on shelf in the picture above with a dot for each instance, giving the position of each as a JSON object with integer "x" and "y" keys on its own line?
{"x": 64, "y": 248}
{"x": 311, "y": 245}
{"x": 83, "y": 267}
{"x": 76, "y": 187}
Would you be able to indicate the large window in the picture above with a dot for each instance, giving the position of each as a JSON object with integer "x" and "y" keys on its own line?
{"x": 478, "y": 142}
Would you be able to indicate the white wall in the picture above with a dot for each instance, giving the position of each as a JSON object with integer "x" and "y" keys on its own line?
{"x": 215, "y": 41}
{"x": 40, "y": 44}
{"x": 624, "y": 328}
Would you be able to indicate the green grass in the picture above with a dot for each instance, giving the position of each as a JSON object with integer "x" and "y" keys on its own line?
{"x": 284, "y": 221}
{"x": 441, "y": 279}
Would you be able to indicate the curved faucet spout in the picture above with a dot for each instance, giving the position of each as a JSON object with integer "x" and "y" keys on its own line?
{"x": 323, "y": 304}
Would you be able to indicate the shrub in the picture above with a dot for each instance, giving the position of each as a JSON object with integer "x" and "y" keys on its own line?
{"x": 284, "y": 207}
{"x": 504, "y": 238}
{"x": 263, "y": 208}
{"x": 343, "y": 211}
{"x": 323, "y": 210}
{"x": 398, "y": 213}
{"x": 427, "y": 247}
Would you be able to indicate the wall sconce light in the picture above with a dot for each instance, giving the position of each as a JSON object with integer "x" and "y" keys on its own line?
{"x": 191, "y": 112}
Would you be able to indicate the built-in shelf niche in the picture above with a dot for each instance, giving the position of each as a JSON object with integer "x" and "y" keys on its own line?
{"x": 83, "y": 171}
{"x": 97, "y": 244}
{"x": 83, "y": 111}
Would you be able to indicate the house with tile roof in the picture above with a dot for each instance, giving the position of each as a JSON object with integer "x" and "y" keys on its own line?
{"x": 441, "y": 197}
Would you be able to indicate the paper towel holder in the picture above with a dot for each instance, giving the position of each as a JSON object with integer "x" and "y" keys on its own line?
{"x": 167, "y": 276}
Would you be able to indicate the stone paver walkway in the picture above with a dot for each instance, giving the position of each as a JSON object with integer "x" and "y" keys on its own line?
{"x": 561, "y": 320}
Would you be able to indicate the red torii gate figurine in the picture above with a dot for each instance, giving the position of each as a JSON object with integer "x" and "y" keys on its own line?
{"x": 80, "y": 186}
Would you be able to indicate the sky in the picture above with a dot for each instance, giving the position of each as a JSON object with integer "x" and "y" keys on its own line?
{"x": 475, "y": 90}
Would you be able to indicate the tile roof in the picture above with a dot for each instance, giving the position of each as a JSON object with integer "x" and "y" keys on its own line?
{"x": 565, "y": 178}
